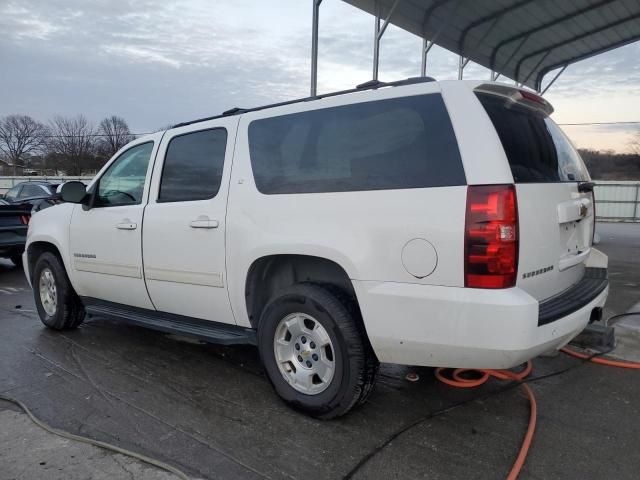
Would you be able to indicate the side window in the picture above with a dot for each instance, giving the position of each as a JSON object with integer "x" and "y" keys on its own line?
{"x": 31, "y": 191}
{"x": 193, "y": 166}
{"x": 13, "y": 193}
{"x": 387, "y": 144}
{"x": 123, "y": 182}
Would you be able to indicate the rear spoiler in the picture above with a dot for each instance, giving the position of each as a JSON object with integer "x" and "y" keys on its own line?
{"x": 516, "y": 95}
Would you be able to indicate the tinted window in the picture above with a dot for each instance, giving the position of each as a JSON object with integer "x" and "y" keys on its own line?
{"x": 193, "y": 166}
{"x": 388, "y": 144}
{"x": 123, "y": 182}
{"x": 31, "y": 191}
{"x": 537, "y": 150}
{"x": 13, "y": 193}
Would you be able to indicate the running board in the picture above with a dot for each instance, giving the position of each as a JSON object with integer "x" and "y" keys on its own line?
{"x": 209, "y": 331}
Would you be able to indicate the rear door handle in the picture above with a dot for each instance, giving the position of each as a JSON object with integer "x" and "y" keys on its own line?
{"x": 204, "y": 223}
{"x": 127, "y": 226}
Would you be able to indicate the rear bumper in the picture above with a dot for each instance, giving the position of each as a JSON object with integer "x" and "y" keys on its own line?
{"x": 13, "y": 237}
{"x": 594, "y": 281}
{"x": 438, "y": 326}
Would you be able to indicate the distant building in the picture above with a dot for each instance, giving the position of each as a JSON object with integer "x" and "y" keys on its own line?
{"x": 6, "y": 168}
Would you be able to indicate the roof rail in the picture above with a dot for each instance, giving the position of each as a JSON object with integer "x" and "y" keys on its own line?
{"x": 233, "y": 111}
{"x": 370, "y": 85}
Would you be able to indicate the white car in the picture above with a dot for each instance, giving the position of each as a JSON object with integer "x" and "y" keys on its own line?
{"x": 417, "y": 222}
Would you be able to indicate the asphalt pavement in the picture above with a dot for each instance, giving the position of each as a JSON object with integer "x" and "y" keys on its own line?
{"x": 210, "y": 411}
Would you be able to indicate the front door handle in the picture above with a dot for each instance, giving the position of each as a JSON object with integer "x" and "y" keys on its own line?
{"x": 127, "y": 226}
{"x": 204, "y": 223}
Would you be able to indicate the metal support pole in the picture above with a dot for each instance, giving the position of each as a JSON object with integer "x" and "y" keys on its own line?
{"x": 426, "y": 46}
{"x": 542, "y": 59}
{"x": 388, "y": 19}
{"x": 314, "y": 47}
{"x": 378, "y": 32}
{"x": 554, "y": 79}
{"x": 376, "y": 42}
{"x": 513, "y": 54}
{"x": 462, "y": 62}
{"x": 635, "y": 206}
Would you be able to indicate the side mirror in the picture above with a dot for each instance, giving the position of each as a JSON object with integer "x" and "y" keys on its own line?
{"x": 73, "y": 192}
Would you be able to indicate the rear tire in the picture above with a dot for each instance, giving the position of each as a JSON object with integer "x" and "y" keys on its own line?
{"x": 315, "y": 351}
{"x": 58, "y": 305}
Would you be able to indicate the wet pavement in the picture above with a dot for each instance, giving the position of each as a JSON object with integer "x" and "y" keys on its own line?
{"x": 210, "y": 411}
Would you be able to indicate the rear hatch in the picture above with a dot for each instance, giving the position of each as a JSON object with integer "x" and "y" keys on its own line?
{"x": 555, "y": 199}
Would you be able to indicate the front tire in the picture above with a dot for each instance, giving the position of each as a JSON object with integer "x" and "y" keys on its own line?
{"x": 315, "y": 351}
{"x": 58, "y": 305}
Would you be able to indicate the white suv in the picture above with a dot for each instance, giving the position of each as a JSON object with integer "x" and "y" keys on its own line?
{"x": 417, "y": 222}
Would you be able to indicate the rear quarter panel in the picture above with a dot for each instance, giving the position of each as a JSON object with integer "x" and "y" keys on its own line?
{"x": 364, "y": 231}
{"x": 483, "y": 157}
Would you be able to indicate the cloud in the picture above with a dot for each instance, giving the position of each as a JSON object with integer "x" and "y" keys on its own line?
{"x": 20, "y": 24}
{"x": 157, "y": 62}
{"x": 182, "y": 61}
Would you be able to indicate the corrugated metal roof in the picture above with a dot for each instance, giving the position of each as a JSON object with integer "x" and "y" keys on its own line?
{"x": 521, "y": 39}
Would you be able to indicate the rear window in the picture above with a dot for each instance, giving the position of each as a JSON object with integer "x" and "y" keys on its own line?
{"x": 32, "y": 191}
{"x": 536, "y": 148}
{"x": 388, "y": 144}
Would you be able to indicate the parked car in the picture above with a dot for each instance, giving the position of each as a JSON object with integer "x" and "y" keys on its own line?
{"x": 418, "y": 222}
{"x": 14, "y": 221}
{"x": 38, "y": 194}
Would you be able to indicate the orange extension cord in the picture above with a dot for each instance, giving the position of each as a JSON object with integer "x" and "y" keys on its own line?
{"x": 457, "y": 379}
{"x": 601, "y": 361}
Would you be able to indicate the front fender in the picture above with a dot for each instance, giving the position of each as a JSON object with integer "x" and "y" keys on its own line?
{"x": 51, "y": 226}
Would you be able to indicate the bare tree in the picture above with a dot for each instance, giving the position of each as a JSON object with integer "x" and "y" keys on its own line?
{"x": 72, "y": 143}
{"x": 114, "y": 134}
{"x": 634, "y": 144}
{"x": 20, "y": 136}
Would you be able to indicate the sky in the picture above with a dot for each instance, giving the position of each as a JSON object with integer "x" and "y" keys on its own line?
{"x": 157, "y": 62}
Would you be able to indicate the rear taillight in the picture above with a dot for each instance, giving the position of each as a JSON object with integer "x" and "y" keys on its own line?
{"x": 491, "y": 237}
{"x": 24, "y": 219}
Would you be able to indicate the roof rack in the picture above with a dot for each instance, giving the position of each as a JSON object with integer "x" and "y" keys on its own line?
{"x": 370, "y": 85}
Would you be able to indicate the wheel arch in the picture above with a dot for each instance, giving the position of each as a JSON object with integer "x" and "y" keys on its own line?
{"x": 37, "y": 248}
{"x": 271, "y": 273}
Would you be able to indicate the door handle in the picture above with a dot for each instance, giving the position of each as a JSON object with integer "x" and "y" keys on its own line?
{"x": 127, "y": 226}
{"x": 204, "y": 223}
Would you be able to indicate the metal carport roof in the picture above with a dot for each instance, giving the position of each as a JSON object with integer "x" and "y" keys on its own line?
{"x": 520, "y": 39}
